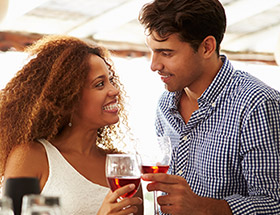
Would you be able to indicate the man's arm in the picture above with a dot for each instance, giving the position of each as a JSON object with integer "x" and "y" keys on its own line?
{"x": 260, "y": 152}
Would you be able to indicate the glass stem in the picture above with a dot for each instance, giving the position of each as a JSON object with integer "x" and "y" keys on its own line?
{"x": 156, "y": 208}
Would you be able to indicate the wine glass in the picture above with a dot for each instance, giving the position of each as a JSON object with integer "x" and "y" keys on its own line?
{"x": 123, "y": 169}
{"x": 156, "y": 159}
{"x": 6, "y": 207}
{"x": 40, "y": 205}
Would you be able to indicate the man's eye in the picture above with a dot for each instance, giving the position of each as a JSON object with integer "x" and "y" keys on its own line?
{"x": 166, "y": 54}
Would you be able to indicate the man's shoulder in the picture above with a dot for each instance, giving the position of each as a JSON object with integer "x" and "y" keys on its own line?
{"x": 250, "y": 86}
{"x": 249, "y": 92}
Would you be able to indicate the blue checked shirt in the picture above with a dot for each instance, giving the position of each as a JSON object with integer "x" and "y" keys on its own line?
{"x": 230, "y": 147}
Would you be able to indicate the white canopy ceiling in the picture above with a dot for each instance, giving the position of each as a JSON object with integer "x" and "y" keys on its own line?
{"x": 253, "y": 25}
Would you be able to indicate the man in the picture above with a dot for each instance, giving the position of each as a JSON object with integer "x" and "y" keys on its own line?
{"x": 224, "y": 124}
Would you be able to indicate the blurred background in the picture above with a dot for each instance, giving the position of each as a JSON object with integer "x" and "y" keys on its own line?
{"x": 251, "y": 42}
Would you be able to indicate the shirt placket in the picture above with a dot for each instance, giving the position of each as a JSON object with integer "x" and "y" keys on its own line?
{"x": 182, "y": 153}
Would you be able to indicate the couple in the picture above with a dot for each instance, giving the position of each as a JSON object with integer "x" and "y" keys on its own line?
{"x": 61, "y": 113}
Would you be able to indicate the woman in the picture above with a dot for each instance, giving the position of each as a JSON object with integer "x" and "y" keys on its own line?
{"x": 58, "y": 117}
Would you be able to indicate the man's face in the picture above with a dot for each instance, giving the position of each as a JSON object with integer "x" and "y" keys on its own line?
{"x": 176, "y": 62}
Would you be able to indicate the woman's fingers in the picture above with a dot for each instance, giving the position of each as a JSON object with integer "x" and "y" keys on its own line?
{"x": 114, "y": 205}
{"x": 127, "y": 205}
{"x": 124, "y": 205}
{"x": 121, "y": 191}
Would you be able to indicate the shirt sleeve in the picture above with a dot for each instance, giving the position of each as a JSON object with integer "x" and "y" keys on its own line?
{"x": 260, "y": 159}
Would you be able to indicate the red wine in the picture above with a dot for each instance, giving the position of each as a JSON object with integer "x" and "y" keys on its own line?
{"x": 155, "y": 169}
{"x": 117, "y": 182}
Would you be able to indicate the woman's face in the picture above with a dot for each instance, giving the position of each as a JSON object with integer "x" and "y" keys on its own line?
{"x": 99, "y": 105}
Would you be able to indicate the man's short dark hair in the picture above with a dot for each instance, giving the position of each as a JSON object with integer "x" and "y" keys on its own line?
{"x": 192, "y": 20}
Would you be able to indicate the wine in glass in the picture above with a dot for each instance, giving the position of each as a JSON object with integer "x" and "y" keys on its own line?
{"x": 155, "y": 159}
{"x": 123, "y": 169}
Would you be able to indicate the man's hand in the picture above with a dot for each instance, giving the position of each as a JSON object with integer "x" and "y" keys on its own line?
{"x": 180, "y": 199}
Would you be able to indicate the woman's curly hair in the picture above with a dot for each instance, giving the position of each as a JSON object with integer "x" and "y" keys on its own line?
{"x": 39, "y": 100}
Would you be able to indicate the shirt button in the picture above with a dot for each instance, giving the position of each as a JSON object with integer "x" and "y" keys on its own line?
{"x": 180, "y": 172}
{"x": 213, "y": 104}
{"x": 185, "y": 138}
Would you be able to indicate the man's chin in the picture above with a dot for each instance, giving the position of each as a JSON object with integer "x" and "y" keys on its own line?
{"x": 171, "y": 89}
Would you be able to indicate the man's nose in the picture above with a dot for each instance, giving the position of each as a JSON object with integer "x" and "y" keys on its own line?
{"x": 156, "y": 64}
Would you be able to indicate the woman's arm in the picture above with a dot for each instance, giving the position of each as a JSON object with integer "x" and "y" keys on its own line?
{"x": 27, "y": 160}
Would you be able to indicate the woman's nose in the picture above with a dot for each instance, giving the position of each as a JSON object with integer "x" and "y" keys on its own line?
{"x": 113, "y": 91}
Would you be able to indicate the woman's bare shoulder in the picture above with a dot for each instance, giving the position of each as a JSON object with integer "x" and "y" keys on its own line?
{"x": 26, "y": 160}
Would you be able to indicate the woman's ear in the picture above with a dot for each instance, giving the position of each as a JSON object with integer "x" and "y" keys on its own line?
{"x": 208, "y": 46}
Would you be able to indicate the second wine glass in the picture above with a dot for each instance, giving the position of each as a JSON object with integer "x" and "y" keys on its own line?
{"x": 156, "y": 159}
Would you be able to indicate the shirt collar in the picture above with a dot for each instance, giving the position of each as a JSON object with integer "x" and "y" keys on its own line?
{"x": 220, "y": 81}
{"x": 175, "y": 98}
{"x": 212, "y": 91}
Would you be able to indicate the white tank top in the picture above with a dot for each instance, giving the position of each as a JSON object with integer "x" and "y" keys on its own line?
{"x": 77, "y": 194}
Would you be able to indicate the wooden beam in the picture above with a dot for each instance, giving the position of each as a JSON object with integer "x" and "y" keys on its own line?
{"x": 17, "y": 40}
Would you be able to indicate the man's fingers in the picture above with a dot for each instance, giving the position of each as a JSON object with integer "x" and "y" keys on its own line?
{"x": 167, "y": 209}
{"x": 162, "y": 177}
{"x": 176, "y": 185}
{"x": 154, "y": 186}
{"x": 170, "y": 204}
{"x": 167, "y": 199}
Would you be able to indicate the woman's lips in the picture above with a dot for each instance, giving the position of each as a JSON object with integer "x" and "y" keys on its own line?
{"x": 112, "y": 107}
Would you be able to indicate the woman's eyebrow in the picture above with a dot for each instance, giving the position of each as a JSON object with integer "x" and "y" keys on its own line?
{"x": 98, "y": 77}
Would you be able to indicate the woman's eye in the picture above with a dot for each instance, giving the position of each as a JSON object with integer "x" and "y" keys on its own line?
{"x": 111, "y": 80}
{"x": 100, "y": 84}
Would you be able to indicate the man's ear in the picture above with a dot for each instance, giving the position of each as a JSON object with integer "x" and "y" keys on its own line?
{"x": 208, "y": 46}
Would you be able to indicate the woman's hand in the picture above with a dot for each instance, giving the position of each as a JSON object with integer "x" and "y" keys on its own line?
{"x": 111, "y": 206}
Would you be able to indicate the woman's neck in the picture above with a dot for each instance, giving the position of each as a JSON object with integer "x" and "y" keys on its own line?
{"x": 76, "y": 140}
